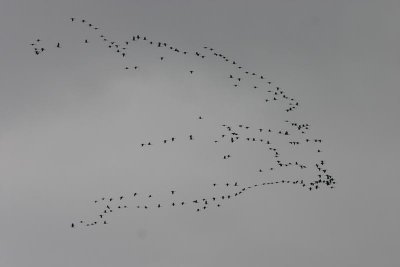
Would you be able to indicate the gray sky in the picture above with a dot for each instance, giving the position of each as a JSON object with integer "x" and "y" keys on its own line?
{"x": 72, "y": 121}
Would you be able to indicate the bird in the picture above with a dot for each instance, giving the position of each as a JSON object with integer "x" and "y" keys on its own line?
{"x": 58, "y": 45}
{"x": 72, "y": 225}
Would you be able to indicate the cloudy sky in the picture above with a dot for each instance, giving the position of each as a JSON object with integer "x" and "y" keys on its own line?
{"x": 72, "y": 121}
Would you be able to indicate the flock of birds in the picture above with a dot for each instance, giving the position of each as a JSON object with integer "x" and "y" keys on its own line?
{"x": 296, "y": 135}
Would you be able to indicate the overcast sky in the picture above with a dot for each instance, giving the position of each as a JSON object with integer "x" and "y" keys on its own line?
{"x": 72, "y": 121}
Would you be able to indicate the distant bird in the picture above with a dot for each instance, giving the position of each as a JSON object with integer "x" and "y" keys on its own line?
{"x": 58, "y": 45}
{"x": 72, "y": 19}
{"x": 72, "y": 225}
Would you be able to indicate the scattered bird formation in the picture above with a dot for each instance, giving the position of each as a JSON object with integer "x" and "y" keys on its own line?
{"x": 296, "y": 134}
